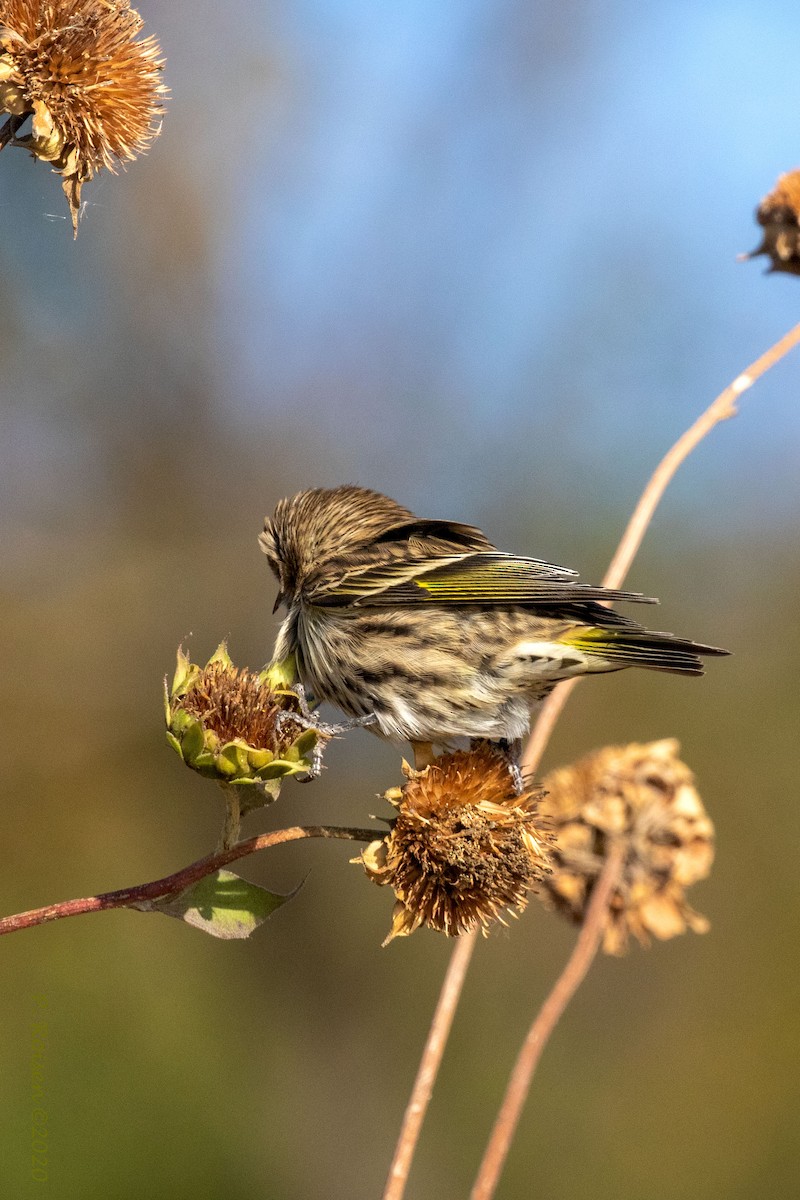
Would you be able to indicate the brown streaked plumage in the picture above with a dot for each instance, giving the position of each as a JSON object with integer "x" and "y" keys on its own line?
{"x": 429, "y": 627}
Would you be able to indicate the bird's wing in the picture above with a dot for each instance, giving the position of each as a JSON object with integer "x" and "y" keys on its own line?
{"x": 479, "y": 578}
{"x": 423, "y": 538}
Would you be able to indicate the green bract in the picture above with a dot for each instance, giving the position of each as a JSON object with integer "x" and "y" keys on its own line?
{"x": 227, "y": 723}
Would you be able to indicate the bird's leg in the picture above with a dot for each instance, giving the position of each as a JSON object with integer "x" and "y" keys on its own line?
{"x": 309, "y": 719}
{"x": 299, "y": 692}
{"x": 315, "y": 770}
{"x": 8, "y": 132}
{"x": 423, "y": 755}
{"x": 511, "y": 751}
{"x": 328, "y": 730}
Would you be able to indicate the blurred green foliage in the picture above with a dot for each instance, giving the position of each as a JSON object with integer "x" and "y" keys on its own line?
{"x": 176, "y": 1065}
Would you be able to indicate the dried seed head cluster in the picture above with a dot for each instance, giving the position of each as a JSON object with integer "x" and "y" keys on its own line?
{"x": 463, "y": 850}
{"x": 779, "y": 214}
{"x": 229, "y": 724}
{"x": 645, "y": 795}
{"x": 92, "y": 90}
{"x": 232, "y": 704}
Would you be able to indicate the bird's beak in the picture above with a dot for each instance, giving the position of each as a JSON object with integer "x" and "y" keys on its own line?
{"x": 279, "y": 599}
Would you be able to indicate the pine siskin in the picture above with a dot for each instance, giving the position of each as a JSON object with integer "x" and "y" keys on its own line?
{"x": 429, "y": 629}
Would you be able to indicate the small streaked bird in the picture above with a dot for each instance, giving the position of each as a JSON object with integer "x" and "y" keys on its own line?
{"x": 427, "y": 631}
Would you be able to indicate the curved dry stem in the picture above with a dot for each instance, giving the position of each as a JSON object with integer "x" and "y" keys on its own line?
{"x": 170, "y": 885}
{"x": 564, "y": 989}
{"x": 720, "y": 410}
{"x": 429, "y": 1065}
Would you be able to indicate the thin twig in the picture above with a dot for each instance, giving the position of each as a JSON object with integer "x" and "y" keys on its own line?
{"x": 720, "y": 410}
{"x": 170, "y": 885}
{"x": 566, "y": 985}
{"x": 429, "y": 1066}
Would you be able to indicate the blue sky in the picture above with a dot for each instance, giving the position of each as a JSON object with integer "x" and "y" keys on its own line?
{"x": 485, "y": 220}
{"x": 459, "y": 251}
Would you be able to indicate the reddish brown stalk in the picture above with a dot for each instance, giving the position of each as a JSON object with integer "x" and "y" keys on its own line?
{"x": 171, "y": 885}
{"x": 720, "y": 410}
{"x": 566, "y": 985}
{"x": 429, "y": 1065}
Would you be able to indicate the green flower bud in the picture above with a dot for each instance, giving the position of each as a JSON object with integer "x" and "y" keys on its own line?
{"x": 229, "y": 724}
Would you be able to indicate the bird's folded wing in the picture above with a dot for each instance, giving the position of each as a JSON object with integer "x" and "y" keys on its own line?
{"x": 492, "y": 578}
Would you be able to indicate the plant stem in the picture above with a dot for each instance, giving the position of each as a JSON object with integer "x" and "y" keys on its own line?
{"x": 429, "y": 1066}
{"x": 564, "y": 989}
{"x": 172, "y": 884}
{"x": 233, "y": 818}
{"x": 720, "y": 410}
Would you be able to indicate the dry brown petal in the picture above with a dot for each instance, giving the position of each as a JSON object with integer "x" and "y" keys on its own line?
{"x": 94, "y": 91}
{"x": 645, "y": 795}
{"x": 235, "y": 704}
{"x": 464, "y": 849}
{"x": 779, "y": 215}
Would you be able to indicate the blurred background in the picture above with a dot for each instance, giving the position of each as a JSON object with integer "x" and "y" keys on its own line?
{"x": 481, "y": 257}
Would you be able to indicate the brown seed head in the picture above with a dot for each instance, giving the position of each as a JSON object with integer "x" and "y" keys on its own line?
{"x": 779, "y": 214}
{"x": 92, "y": 89}
{"x": 233, "y": 703}
{"x": 645, "y": 795}
{"x": 463, "y": 849}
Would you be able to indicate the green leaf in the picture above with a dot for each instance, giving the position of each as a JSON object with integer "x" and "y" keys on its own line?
{"x": 223, "y": 905}
{"x": 180, "y": 721}
{"x": 173, "y": 741}
{"x": 281, "y": 674}
{"x": 258, "y": 794}
{"x": 277, "y": 769}
{"x": 257, "y": 759}
{"x": 221, "y": 655}
{"x": 205, "y": 764}
{"x": 184, "y": 672}
{"x": 232, "y": 759}
{"x": 306, "y": 742}
{"x": 192, "y": 739}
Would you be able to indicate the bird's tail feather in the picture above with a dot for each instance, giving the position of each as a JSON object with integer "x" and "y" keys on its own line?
{"x": 634, "y": 648}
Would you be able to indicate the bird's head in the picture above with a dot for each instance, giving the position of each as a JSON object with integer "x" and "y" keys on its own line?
{"x": 308, "y": 534}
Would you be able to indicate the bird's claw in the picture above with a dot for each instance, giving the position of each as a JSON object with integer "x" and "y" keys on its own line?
{"x": 517, "y": 778}
{"x": 308, "y": 719}
{"x": 510, "y": 752}
{"x": 8, "y": 132}
{"x": 315, "y": 770}
{"x": 299, "y": 692}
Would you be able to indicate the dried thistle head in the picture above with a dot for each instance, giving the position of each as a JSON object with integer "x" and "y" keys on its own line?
{"x": 91, "y": 89}
{"x": 463, "y": 850}
{"x": 645, "y": 795}
{"x": 779, "y": 214}
{"x": 229, "y": 724}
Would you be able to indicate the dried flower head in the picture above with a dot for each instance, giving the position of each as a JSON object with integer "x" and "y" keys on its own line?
{"x": 779, "y": 214}
{"x": 91, "y": 89}
{"x": 463, "y": 849}
{"x": 645, "y": 795}
{"x": 229, "y": 724}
